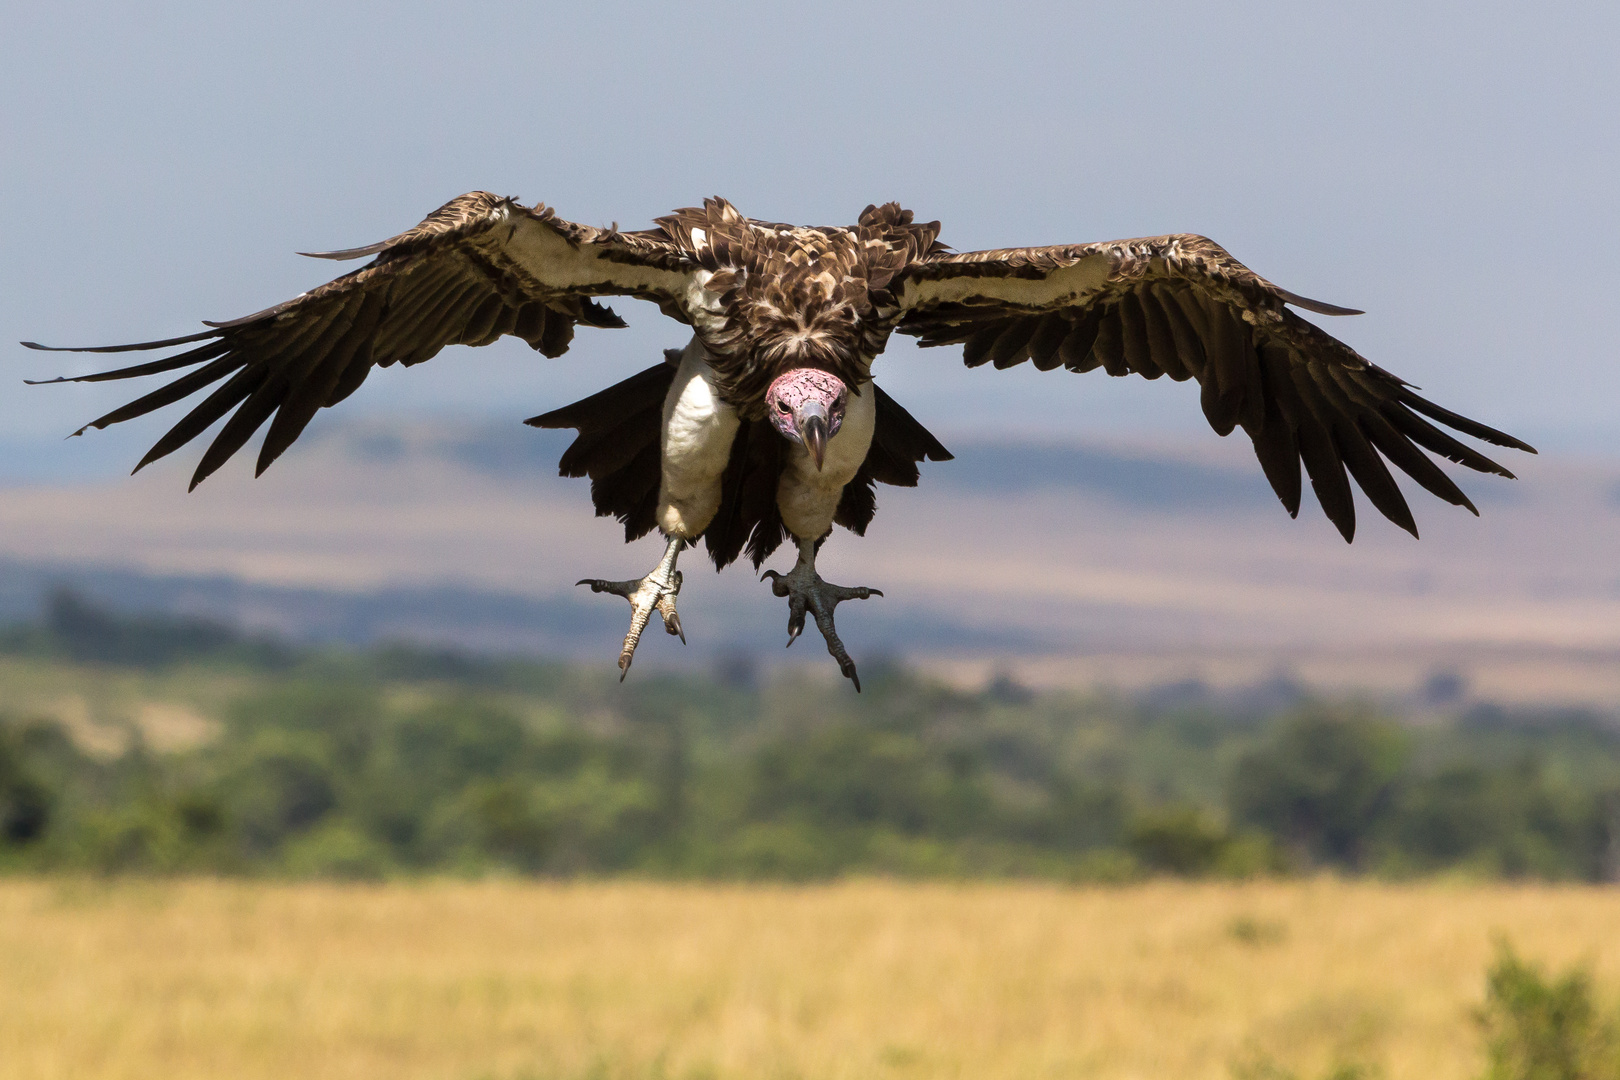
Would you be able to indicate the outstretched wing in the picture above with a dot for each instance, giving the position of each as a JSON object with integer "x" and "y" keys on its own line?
{"x": 1181, "y": 306}
{"x": 478, "y": 267}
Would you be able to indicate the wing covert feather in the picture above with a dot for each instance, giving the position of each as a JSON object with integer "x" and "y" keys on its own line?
{"x": 1181, "y": 306}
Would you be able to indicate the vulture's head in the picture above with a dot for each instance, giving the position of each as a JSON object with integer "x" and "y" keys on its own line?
{"x": 807, "y": 406}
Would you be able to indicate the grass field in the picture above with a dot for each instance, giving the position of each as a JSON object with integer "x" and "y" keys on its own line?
{"x": 864, "y": 979}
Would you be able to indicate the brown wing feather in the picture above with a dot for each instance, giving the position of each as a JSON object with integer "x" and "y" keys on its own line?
{"x": 475, "y": 269}
{"x": 1181, "y": 306}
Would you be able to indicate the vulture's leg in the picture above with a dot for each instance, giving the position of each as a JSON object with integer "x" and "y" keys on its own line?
{"x": 807, "y": 592}
{"x": 655, "y": 592}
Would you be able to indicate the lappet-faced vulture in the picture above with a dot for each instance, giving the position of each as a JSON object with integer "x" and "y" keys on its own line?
{"x": 768, "y": 424}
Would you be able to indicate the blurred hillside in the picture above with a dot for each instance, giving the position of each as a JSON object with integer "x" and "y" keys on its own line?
{"x": 173, "y": 743}
{"x": 1122, "y": 565}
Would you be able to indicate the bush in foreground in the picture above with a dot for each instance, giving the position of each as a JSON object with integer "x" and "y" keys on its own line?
{"x": 1541, "y": 1027}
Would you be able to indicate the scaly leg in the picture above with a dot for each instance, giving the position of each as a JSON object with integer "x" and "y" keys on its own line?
{"x": 806, "y": 591}
{"x": 655, "y": 592}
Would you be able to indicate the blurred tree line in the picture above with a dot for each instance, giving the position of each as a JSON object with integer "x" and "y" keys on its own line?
{"x": 400, "y": 761}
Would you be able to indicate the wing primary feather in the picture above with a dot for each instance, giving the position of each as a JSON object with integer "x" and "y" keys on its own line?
{"x": 1412, "y": 461}
{"x": 249, "y": 416}
{"x": 1275, "y": 444}
{"x": 1460, "y": 423}
{"x": 1321, "y": 457}
{"x": 214, "y": 406}
{"x": 1432, "y": 438}
{"x": 1393, "y": 445}
{"x": 1278, "y": 453}
{"x": 286, "y": 360}
{"x": 139, "y": 346}
{"x": 167, "y": 394}
{"x": 156, "y": 367}
{"x": 1370, "y": 472}
{"x": 282, "y": 347}
{"x": 1328, "y": 479}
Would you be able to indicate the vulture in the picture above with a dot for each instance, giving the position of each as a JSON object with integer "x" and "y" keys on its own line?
{"x": 768, "y": 425}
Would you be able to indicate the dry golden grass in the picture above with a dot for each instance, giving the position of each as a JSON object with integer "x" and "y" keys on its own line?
{"x": 866, "y": 979}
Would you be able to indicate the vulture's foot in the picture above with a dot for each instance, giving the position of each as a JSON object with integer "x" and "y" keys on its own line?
{"x": 655, "y": 592}
{"x": 807, "y": 592}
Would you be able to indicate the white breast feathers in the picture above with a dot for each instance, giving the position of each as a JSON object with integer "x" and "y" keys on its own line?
{"x": 696, "y": 445}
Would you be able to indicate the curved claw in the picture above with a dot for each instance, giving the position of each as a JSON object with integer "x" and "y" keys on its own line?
{"x": 655, "y": 592}
{"x": 665, "y": 606}
{"x": 617, "y": 588}
{"x": 807, "y": 593}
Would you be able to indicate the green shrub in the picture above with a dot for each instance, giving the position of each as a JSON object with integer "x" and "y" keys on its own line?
{"x": 1176, "y": 840}
{"x": 336, "y": 849}
{"x": 1542, "y": 1028}
{"x": 1323, "y": 784}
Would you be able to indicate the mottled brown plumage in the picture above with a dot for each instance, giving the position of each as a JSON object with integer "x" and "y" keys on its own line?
{"x": 791, "y": 296}
{"x": 764, "y": 299}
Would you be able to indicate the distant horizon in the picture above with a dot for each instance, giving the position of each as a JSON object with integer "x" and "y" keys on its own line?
{"x": 466, "y": 532}
{"x": 113, "y": 453}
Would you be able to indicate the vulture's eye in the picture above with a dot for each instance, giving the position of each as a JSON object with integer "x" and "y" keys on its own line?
{"x": 782, "y": 407}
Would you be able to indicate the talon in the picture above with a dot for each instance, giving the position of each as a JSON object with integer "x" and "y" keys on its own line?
{"x": 655, "y": 592}
{"x": 807, "y": 593}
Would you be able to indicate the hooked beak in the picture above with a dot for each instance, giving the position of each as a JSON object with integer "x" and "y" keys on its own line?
{"x": 813, "y": 430}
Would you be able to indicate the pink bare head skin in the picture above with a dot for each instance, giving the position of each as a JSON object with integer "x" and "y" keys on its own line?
{"x": 807, "y": 406}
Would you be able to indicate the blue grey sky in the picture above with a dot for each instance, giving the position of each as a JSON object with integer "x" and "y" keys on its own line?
{"x": 1449, "y": 167}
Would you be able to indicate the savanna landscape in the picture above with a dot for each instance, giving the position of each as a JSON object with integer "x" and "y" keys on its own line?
{"x": 228, "y": 855}
{"x": 328, "y": 774}
{"x": 862, "y": 978}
